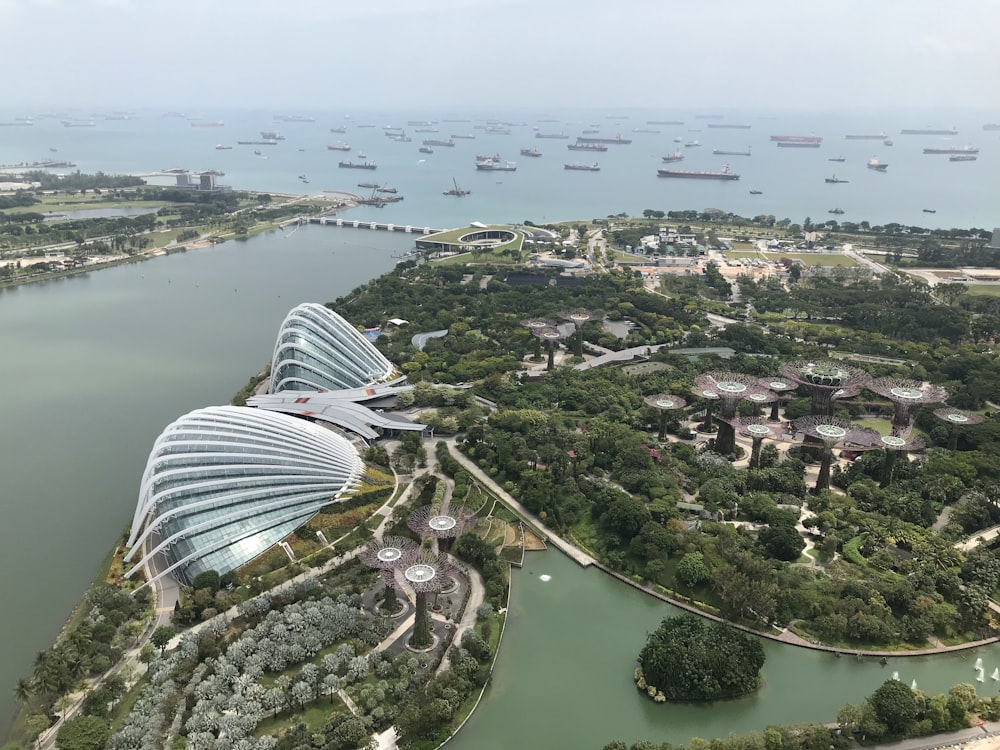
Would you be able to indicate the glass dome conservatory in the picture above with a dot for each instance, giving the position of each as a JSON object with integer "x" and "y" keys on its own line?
{"x": 318, "y": 350}
{"x": 224, "y": 484}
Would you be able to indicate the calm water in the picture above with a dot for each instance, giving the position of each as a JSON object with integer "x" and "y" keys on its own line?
{"x": 963, "y": 194}
{"x": 94, "y": 367}
{"x": 565, "y": 672}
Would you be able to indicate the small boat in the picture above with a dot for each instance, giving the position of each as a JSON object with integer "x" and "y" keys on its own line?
{"x": 362, "y": 156}
{"x": 54, "y": 150}
{"x": 678, "y": 140}
{"x": 836, "y": 158}
{"x": 887, "y": 142}
{"x": 756, "y": 192}
{"x": 426, "y": 150}
{"x": 929, "y": 210}
{"x": 372, "y": 185}
{"x": 835, "y": 211}
{"x": 962, "y": 157}
{"x": 875, "y": 164}
{"x": 338, "y": 130}
{"x": 219, "y": 147}
{"x": 456, "y": 191}
{"x": 390, "y": 190}
{"x": 339, "y": 147}
{"x": 256, "y": 152}
{"x": 833, "y": 180}
{"x": 530, "y": 152}
{"x": 692, "y": 144}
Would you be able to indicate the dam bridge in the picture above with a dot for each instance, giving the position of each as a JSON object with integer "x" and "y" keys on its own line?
{"x": 335, "y": 221}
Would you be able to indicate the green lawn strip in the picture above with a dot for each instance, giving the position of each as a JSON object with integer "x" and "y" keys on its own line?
{"x": 315, "y": 716}
{"x": 123, "y": 707}
{"x": 983, "y": 290}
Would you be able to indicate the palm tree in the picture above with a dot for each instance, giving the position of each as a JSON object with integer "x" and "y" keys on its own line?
{"x": 23, "y": 690}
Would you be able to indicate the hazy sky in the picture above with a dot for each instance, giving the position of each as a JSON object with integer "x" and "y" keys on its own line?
{"x": 332, "y": 54}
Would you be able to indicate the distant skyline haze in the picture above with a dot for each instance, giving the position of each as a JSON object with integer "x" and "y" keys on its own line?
{"x": 502, "y": 54}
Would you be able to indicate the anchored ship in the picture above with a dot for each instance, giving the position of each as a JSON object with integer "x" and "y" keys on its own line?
{"x": 720, "y": 152}
{"x": 339, "y": 147}
{"x": 530, "y": 152}
{"x": 359, "y": 165}
{"x": 729, "y": 125}
{"x": 833, "y": 180}
{"x": 437, "y": 142}
{"x": 494, "y": 164}
{"x": 676, "y": 156}
{"x": 456, "y": 191}
{"x": 595, "y": 139}
{"x": 799, "y": 144}
{"x": 962, "y": 157}
{"x": 723, "y": 174}
{"x": 866, "y": 137}
{"x": 953, "y": 150}
{"x": 875, "y": 164}
{"x": 558, "y": 136}
{"x": 928, "y": 131}
{"x": 271, "y": 135}
{"x": 586, "y": 147}
{"x": 595, "y": 167}
{"x": 797, "y": 138}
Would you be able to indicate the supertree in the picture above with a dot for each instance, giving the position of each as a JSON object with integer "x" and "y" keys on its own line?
{"x": 905, "y": 395}
{"x": 551, "y": 337}
{"x": 535, "y": 325}
{"x": 778, "y": 387}
{"x": 826, "y": 381}
{"x": 893, "y": 445}
{"x": 729, "y": 388}
{"x": 388, "y": 555}
{"x": 758, "y": 429}
{"x": 664, "y": 403}
{"x": 428, "y": 522}
{"x": 425, "y": 573}
{"x": 957, "y": 419}
{"x": 578, "y": 318}
{"x": 832, "y": 431}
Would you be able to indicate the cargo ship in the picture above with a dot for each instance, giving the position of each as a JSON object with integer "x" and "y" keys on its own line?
{"x": 646, "y": 130}
{"x": 676, "y": 156}
{"x": 257, "y": 143}
{"x": 530, "y": 152}
{"x": 617, "y": 140}
{"x": 421, "y": 123}
{"x": 465, "y": 137}
{"x": 928, "y": 131}
{"x": 962, "y": 157}
{"x": 799, "y": 144}
{"x": 208, "y": 124}
{"x": 438, "y": 142}
{"x": 720, "y": 152}
{"x": 496, "y": 165}
{"x": 729, "y": 125}
{"x": 338, "y": 130}
{"x": 426, "y": 150}
{"x": 271, "y": 135}
{"x": 79, "y": 124}
{"x": 952, "y": 150}
{"x": 664, "y": 122}
{"x": 837, "y": 211}
{"x": 875, "y": 164}
{"x": 866, "y": 137}
{"x": 339, "y": 147}
{"x": 797, "y": 138}
{"x": 294, "y": 118}
{"x": 723, "y": 174}
{"x": 554, "y": 136}
{"x": 595, "y": 167}
{"x": 359, "y": 165}
{"x": 833, "y": 180}
{"x": 586, "y": 147}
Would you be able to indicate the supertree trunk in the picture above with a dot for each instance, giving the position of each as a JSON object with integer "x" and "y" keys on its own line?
{"x": 953, "y": 438}
{"x": 822, "y": 402}
{"x": 755, "y": 453}
{"x": 888, "y": 463}
{"x": 663, "y": 424}
{"x": 725, "y": 441}
{"x": 421, "y": 637}
{"x": 709, "y": 425}
{"x": 552, "y": 358}
{"x": 390, "y": 602}
{"x": 578, "y": 343}
{"x": 900, "y": 418}
{"x": 774, "y": 410}
{"x": 538, "y": 350}
{"x": 823, "y": 479}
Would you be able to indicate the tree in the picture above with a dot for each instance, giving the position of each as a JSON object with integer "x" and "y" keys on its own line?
{"x": 849, "y": 717}
{"x": 782, "y": 541}
{"x": 83, "y": 733}
{"x": 161, "y": 636}
{"x": 688, "y": 659}
{"x": 22, "y": 691}
{"x": 691, "y": 570}
{"x": 894, "y": 705}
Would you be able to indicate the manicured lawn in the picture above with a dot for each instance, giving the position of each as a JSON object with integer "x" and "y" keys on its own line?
{"x": 881, "y": 426}
{"x": 809, "y": 259}
{"x": 989, "y": 290}
{"x": 315, "y": 717}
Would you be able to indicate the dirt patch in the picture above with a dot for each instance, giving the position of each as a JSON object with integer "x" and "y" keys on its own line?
{"x": 532, "y": 542}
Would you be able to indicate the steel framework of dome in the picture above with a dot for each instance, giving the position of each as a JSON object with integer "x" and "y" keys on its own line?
{"x": 664, "y": 403}
{"x": 729, "y": 388}
{"x": 758, "y": 429}
{"x": 318, "y": 350}
{"x": 906, "y": 395}
{"x": 224, "y": 484}
{"x": 832, "y": 431}
{"x": 956, "y": 419}
{"x": 826, "y": 380}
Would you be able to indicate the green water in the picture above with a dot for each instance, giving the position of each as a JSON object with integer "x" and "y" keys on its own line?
{"x": 563, "y": 678}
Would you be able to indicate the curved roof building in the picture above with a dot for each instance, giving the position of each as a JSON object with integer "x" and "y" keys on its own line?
{"x": 318, "y": 350}
{"x": 224, "y": 484}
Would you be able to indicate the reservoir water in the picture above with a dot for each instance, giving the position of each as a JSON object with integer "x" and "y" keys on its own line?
{"x": 564, "y": 673}
{"x": 93, "y": 367}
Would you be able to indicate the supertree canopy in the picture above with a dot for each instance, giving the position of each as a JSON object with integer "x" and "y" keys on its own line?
{"x": 893, "y": 445}
{"x": 778, "y": 386}
{"x": 425, "y": 573}
{"x": 578, "y": 318}
{"x": 429, "y": 522}
{"x": 535, "y": 325}
{"x": 833, "y": 431}
{"x": 551, "y": 336}
{"x": 826, "y": 380}
{"x": 729, "y": 388}
{"x": 388, "y": 555}
{"x": 957, "y": 419}
{"x": 905, "y": 395}
{"x": 758, "y": 429}
{"x": 665, "y": 403}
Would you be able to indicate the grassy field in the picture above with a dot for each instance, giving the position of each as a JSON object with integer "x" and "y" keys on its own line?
{"x": 809, "y": 259}
{"x": 989, "y": 290}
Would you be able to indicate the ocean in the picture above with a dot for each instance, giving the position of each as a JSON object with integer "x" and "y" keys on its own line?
{"x": 791, "y": 180}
